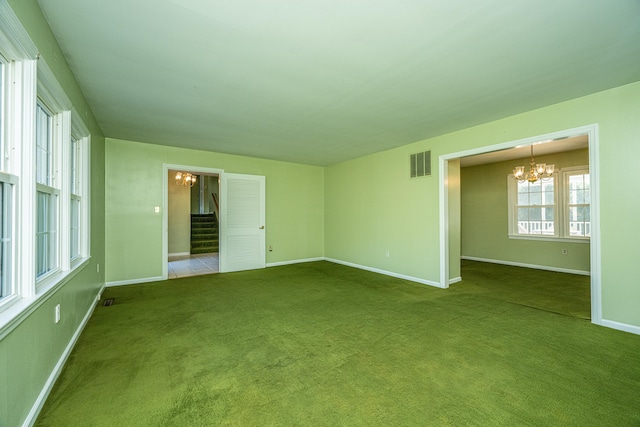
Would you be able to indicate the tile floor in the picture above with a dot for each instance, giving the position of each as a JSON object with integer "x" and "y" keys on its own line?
{"x": 192, "y": 265}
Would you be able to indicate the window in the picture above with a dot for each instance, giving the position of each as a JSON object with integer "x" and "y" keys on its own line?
{"x": 579, "y": 204}
{"x": 7, "y": 182}
{"x": 556, "y": 207}
{"x": 44, "y": 177}
{"x": 76, "y": 199}
{"x": 3, "y": 101}
{"x": 536, "y": 207}
{"x": 6, "y": 227}
{"x": 46, "y": 196}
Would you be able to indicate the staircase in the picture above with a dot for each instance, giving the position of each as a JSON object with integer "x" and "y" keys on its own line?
{"x": 204, "y": 233}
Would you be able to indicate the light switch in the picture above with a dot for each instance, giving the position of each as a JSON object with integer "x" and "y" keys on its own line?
{"x": 157, "y": 209}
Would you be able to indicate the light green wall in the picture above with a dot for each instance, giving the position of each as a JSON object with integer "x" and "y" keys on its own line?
{"x": 178, "y": 216}
{"x": 407, "y": 220}
{"x": 485, "y": 217}
{"x": 404, "y": 221}
{"x": 294, "y": 205}
{"x": 31, "y": 350}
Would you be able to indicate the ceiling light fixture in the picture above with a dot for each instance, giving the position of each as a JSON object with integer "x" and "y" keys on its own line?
{"x": 539, "y": 171}
{"x": 186, "y": 179}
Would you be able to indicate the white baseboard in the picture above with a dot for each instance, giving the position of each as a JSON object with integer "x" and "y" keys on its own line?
{"x": 42, "y": 397}
{"x": 520, "y": 264}
{"x": 179, "y": 254}
{"x": 386, "y": 273}
{"x": 455, "y": 280}
{"x": 294, "y": 261}
{"x": 621, "y": 326}
{"x": 134, "y": 281}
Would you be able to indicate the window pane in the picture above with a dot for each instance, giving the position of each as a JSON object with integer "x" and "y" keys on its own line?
{"x": 75, "y": 228}
{"x": 573, "y": 214}
{"x": 523, "y": 187}
{"x": 579, "y": 210}
{"x": 46, "y": 233}
{"x": 523, "y": 198}
{"x": 6, "y": 285}
{"x": 74, "y": 166}
{"x": 583, "y": 213}
{"x": 535, "y": 207}
{"x": 2, "y": 120}
{"x": 535, "y": 198}
{"x": 548, "y": 197}
{"x": 44, "y": 138}
{"x": 523, "y": 214}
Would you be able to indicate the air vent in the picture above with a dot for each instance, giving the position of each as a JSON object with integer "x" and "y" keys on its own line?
{"x": 420, "y": 164}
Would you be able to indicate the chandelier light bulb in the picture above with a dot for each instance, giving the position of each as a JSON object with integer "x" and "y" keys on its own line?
{"x": 186, "y": 179}
{"x": 536, "y": 172}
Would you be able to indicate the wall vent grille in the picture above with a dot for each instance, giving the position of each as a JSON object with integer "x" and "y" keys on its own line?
{"x": 420, "y": 164}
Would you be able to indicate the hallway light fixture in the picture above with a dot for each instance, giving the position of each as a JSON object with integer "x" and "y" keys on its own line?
{"x": 186, "y": 179}
{"x": 537, "y": 171}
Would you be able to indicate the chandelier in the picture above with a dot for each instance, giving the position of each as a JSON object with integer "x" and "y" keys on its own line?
{"x": 186, "y": 179}
{"x": 537, "y": 171}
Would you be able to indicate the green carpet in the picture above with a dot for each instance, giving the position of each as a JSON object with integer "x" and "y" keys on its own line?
{"x": 320, "y": 344}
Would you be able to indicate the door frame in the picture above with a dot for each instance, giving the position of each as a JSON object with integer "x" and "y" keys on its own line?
{"x": 165, "y": 207}
{"x": 594, "y": 170}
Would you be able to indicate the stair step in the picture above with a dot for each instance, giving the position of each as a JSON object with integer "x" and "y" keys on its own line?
{"x": 202, "y": 219}
{"x": 204, "y": 250}
{"x": 204, "y": 233}
{"x": 204, "y": 236}
{"x": 203, "y": 224}
{"x": 203, "y": 243}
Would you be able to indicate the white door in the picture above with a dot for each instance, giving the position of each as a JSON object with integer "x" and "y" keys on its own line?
{"x": 242, "y": 220}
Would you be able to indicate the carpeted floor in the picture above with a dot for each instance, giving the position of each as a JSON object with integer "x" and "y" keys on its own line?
{"x": 320, "y": 344}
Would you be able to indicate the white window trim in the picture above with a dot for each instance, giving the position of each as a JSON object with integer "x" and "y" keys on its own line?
{"x": 512, "y": 201}
{"x": 83, "y": 140}
{"x": 32, "y": 79}
{"x": 560, "y": 208}
{"x": 566, "y": 173}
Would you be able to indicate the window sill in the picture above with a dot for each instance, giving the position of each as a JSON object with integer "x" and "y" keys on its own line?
{"x": 18, "y": 309}
{"x": 551, "y": 238}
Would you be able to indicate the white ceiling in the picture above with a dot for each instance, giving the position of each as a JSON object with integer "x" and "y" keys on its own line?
{"x": 322, "y": 82}
{"x": 539, "y": 149}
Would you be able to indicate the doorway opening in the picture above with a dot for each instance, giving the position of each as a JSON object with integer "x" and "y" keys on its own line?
{"x": 192, "y": 221}
{"x": 450, "y": 231}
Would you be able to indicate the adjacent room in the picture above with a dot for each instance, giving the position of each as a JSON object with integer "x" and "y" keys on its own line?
{"x": 330, "y": 213}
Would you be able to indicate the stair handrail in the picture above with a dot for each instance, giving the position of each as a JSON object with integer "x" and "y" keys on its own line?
{"x": 215, "y": 202}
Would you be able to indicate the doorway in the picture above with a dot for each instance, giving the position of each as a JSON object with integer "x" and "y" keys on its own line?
{"x": 193, "y": 215}
{"x": 240, "y": 208}
{"x": 449, "y": 230}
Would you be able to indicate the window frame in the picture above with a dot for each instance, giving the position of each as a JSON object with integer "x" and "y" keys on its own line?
{"x": 33, "y": 82}
{"x": 561, "y": 198}
{"x": 566, "y": 174}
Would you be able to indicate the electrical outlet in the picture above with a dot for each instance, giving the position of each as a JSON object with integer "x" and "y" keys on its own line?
{"x": 564, "y": 252}
{"x": 57, "y": 316}
{"x": 387, "y": 253}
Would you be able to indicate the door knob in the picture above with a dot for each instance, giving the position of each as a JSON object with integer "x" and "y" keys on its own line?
{"x": 262, "y": 227}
